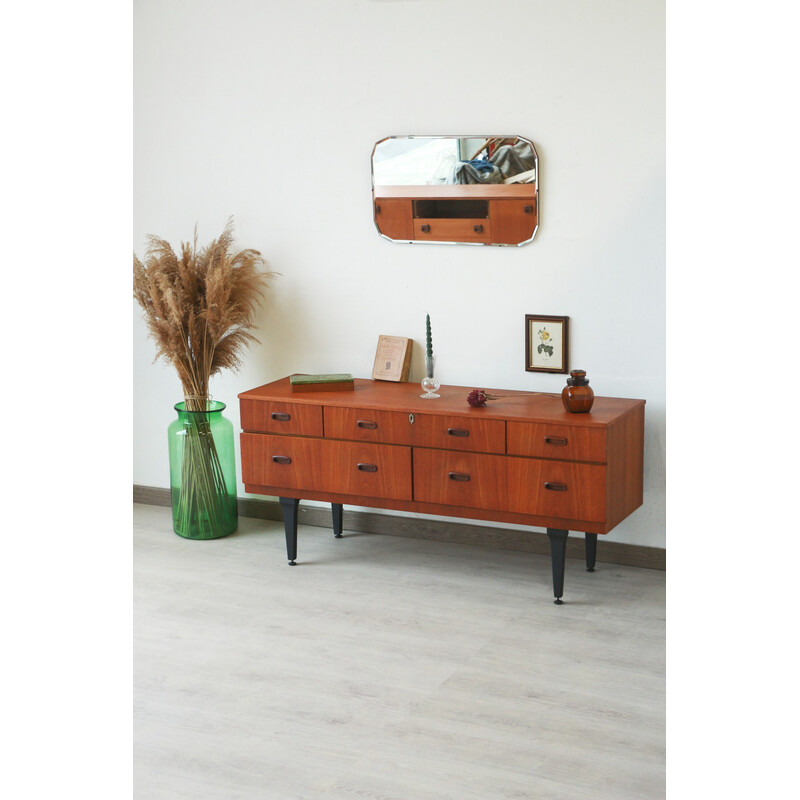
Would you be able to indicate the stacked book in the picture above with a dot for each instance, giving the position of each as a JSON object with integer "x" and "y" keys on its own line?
{"x": 322, "y": 383}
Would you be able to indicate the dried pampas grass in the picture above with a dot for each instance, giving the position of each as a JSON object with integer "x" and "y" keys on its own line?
{"x": 199, "y": 306}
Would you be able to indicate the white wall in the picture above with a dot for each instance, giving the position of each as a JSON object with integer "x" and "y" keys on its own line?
{"x": 268, "y": 111}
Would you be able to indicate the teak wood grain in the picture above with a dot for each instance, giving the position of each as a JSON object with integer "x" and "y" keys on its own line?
{"x": 281, "y": 416}
{"x": 394, "y": 218}
{"x": 522, "y": 459}
{"x": 625, "y": 465}
{"x": 513, "y": 213}
{"x": 514, "y": 406}
{"x": 601, "y": 452}
{"x": 397, "y": 427}
{"x": 557, "y": 489}
{"x": 318, "y": 465}
{"x": 417, "y": 507}
{"x": 545, "y": 440}
{"x": 513, "y": 221}
{"x": 462, "y": 191}
{"x": 452, "y": 230}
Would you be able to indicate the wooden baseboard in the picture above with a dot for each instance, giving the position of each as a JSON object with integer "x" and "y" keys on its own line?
{"x": 608, "y": 552}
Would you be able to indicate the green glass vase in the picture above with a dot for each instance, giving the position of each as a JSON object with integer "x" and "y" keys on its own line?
{"x": 202, "y": 467}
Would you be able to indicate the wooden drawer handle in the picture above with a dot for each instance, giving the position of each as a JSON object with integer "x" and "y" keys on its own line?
{"x": 463, "y": 432}
{"x": 282, "y": 459}
{"x": 281, "y": 416}
{"x": 377, "y": 208}
{"x": 528, "y": 209}
{"x": 426, "y": 228}
{"x": 558, "y": 440}
{"x": 368, "y": 467}
{"x": 555, "y": 487}
{"x": 367, "y": 423}
{"x": 477, "y": 228}
{"x": 458, "y": 476}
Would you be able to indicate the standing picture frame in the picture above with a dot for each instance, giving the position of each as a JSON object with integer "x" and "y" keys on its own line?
{"x": 546, "y": 343}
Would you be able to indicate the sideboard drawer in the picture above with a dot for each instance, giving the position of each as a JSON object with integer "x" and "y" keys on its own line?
{"x": 567, "y": 442}
{"x": 460, "y": 433}
{"x": 320, "y": 465}
{"x": 448, "y": 230}
{"x": 367, "y": 425}
{"x": 274, "y": 416}
{"x": 430, "y": 430}
{"x": 557, "y": 489}
{"x": 471, "y": 480}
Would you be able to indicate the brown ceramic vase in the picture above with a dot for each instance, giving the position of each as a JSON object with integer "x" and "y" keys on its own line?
{"x": 577, "y": 395}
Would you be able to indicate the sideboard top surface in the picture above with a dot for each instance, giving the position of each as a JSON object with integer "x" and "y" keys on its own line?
{"x": 472, "y": 191}
{"x": 513, "y": 404}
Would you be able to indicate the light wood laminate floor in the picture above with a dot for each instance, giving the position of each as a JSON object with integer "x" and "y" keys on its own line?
{"x": 389, "y": 668}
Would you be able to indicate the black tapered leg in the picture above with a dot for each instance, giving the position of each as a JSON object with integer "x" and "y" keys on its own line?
{"x": 289, "y": 506}
{"x": 336, "y": 508}
{"x": 558, "y": 555}
{"x": 591, "y": 551}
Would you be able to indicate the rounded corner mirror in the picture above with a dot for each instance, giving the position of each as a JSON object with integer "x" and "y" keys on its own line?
{"x": 456, "y": 189}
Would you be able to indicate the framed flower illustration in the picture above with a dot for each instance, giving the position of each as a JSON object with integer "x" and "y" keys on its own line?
{"x": 546, "y": 343}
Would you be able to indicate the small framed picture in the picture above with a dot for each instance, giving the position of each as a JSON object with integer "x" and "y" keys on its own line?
{"x": 546, "y": 343}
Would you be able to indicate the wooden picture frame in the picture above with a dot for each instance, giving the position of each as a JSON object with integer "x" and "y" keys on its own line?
{"x": 392, "y": 359}
{"x": 546, "y": 343}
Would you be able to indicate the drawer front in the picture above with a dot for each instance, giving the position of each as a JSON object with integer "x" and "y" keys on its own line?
{"x": 364, "y": 425}
{"x": 449, "y": 230}
{"x": 557, "y": 489}
{"x": 427, "y": 430}
{"x": 567, "y": 442}
{"x": 320, "y": 465}
{"x": 460, "y": 433}
{"x": 513, "y": 221}
{"x": 470, "y": 480}
{"x": 393, "y": 218}
{"x": 269, "y": 416}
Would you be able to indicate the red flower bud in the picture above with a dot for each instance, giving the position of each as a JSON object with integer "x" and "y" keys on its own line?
{"x": 477, "y": 398}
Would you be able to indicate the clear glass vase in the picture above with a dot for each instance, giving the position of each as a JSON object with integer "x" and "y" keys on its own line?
{"x": 202, "y": 466}
{"x": 429, "y": 383}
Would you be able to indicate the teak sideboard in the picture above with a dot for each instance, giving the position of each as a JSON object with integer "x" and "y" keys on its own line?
{"x": 521, "y": 459}
{"x": 475, "y": 213}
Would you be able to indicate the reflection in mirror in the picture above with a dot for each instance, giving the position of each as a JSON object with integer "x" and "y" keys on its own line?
{"x": 437, "y": 160}
{"x": 456, "y": 189}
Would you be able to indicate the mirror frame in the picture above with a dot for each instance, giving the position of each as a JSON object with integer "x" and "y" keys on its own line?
{"x": 511, "y": 219}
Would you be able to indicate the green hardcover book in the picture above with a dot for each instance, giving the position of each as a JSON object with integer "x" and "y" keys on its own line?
{"x": 335, "y": 382}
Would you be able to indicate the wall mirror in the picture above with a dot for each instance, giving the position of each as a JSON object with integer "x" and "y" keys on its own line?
{"x": 456, "y": 189}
